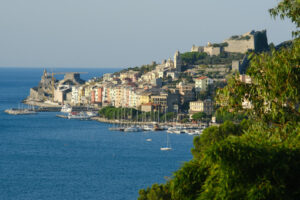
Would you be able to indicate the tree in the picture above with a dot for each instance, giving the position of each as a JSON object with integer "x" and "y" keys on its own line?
{"x": 199, "y": 116}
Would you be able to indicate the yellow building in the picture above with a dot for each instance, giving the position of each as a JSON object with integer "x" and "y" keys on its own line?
{"x": 145, "y": 98}
{"x": 205, "y": 106}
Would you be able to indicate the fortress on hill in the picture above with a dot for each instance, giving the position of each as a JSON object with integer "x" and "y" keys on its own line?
{"x": 253, "y": 40}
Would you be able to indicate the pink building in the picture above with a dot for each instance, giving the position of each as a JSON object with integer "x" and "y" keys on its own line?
{"x": 96, "y": 95}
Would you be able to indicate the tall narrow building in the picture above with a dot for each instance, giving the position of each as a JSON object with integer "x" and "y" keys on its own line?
{"x": 177, "y": 61}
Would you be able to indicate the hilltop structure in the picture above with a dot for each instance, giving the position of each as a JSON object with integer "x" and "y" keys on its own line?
{"x": 253, "y": 40}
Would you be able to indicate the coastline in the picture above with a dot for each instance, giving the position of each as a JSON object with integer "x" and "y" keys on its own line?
{"x": 191, "y": 125}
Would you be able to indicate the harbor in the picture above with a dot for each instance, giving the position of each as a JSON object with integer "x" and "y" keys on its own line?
{"x": 123, "y": 125}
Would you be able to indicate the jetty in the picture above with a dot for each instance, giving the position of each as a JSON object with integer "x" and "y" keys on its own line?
{"x": 14, "y": 111}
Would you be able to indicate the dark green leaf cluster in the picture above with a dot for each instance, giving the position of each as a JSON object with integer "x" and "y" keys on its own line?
{"x": 198, "y": 116}
{"x": 191, "y": 58}
{"x": 222, "y": 116}
{"x": 198, "y": 58}
{"x": 224, "y": 44}
{"x": 156, "y": 192}
{"x": 111, "y": 112}
{"x": 131, "y": 114}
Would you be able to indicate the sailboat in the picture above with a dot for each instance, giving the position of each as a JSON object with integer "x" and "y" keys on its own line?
{"x": 166, "y": 148}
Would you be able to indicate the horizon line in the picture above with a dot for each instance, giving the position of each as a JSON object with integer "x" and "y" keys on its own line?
{"x": 61, "y": 67}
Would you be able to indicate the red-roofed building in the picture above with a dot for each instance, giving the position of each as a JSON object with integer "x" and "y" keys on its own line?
{"x": 201, "y": 83}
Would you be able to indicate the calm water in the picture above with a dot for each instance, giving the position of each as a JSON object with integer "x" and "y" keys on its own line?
{"x": 45, "y": 157}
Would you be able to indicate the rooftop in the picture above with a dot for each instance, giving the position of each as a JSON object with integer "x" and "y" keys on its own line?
{"x": 201, "y": 78}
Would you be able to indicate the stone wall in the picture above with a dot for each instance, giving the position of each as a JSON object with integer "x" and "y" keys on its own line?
{"x": 240, "y": 46}
{"x": 197, "y": 48}
{"x": 212, "y": 51}
{"x": 254, "y": 40}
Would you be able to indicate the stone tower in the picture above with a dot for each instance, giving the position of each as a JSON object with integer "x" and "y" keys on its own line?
{"x": 177, "y": 61}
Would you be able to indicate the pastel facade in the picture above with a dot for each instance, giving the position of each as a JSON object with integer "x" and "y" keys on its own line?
{"x": 201, "y": 83}
{"x": 76, "y": 95}
{"x": 132, "y": 75}
{"x": 205, "y": 106}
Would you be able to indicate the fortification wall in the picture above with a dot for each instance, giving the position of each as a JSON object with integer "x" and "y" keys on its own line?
{"x": 212, "y": 51}
{"x": 197, "y": 48}
{"x": 240, "y": 46}
{"x": 254, "y": 40}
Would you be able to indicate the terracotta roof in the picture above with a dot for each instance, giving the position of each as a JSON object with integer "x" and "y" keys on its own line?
{"x": 201, "y": 77}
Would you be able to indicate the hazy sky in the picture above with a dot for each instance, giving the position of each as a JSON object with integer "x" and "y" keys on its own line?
{"x": 123, "y": 33}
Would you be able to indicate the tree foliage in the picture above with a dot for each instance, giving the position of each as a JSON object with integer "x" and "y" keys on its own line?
{"x": 257, "y": 158}
{"x": 201, "y": 58}
{"x": 198, "y": 116}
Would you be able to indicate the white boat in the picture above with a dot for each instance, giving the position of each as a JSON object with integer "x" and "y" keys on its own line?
{"x": 149, "y": 140}
{"x": 66, "y": 108}
{"x": 178, "y": 131}
{"x": 148, "y": 128}
{"x": 131, "y": 129}
{"x": 78, "y": 115}
{"x": 92, "y": 113}
{"x": 166, "y": 148}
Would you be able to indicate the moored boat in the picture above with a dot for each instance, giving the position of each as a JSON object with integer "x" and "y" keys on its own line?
{"x": 66, "y": 108}
{"x": 78, "y": 115}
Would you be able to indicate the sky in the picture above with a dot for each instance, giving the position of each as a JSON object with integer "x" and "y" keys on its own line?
{"x": 124, "y": 33}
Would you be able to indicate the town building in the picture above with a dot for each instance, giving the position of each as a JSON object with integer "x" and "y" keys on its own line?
{"x": 132, "y": 75}
{"x": 173, "y": 74}
{"x": 186, "y": 91}
{"x": 96, "y": 95}
{"x": 107, "y": 77}
{"x": 201, "y": 83}
{"x": 205, "y": 106}
{"x": 62, "y": 94}
{"x": 166, "y": 101}
{"x": 177, "y": 61}
{"x": 76, "y": 94}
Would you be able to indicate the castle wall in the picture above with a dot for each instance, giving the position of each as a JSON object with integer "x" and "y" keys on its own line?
{"x": 197, "y": 49}
{"x": 239, "y": 46}
{"x": 212, "y": 51}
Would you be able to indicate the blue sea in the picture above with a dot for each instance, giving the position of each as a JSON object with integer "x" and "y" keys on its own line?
{"x": 43, "y": 157}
